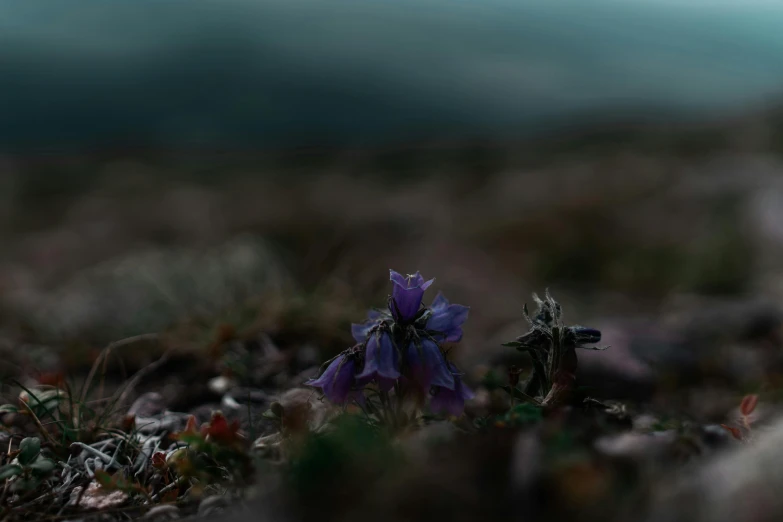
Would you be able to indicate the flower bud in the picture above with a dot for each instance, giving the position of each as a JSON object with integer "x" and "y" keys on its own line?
{"x": 513, "y": 376}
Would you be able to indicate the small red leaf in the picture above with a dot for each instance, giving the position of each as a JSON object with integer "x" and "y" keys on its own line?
{"x": 159, "y": 460}
{"x": 748, "y": 404}
{"x": 51, "y": 378}
{"x": 735, "y": 432}
{"x": 191, "y": 427}
{"x": 190, "y": 433}
{"x": 129, "y": 423}
{"x": 220, "y": 430}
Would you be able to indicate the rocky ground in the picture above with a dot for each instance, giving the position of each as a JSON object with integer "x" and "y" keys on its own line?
{"x": 131, "y": 310}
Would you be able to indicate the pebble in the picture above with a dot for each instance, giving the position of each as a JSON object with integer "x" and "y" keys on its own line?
{"x": 212, "y": 505}
{"x": 221, "y": 384}
{"x": 162, "y": 513}
{"x": 148, "y": 405}
{"x": 635, "y": 445}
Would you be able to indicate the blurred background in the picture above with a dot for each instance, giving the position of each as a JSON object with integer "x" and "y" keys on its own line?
{"x": 182, "y": 166}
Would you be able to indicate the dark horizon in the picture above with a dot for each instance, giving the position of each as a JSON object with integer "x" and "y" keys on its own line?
{"x": 280, "y": 74}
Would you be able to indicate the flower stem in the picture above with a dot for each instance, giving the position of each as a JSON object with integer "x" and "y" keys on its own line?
{"x": 399, "y": 394}
{"x": 388, "y": 412}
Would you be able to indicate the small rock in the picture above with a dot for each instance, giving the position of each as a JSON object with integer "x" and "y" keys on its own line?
{"x": 168, "y": 421}
{"x": 253, "y": 395}
{"x": 212, "y": 505}
{"x": 162, "y": 512}
{"x": 303, "y": 409}
{"x": 149, "y": 404}
{"x": 635, "y": 445}
{"x": 221, "y": 384}
{"x": 228, "y": 404}
{"x": 644, "y": 422}
{"x": 97, "y": 498}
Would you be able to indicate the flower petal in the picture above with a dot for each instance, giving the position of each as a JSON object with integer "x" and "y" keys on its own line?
{"x": 446, "y": 401}
{"x": 465, "y": 392}
{"x": 407, "y": 294}
{"x": 451, "y": 401}
{"x": 327, "y": 375}
{"x": 446, "y": 320}
{"x": 358, "y": 397}
{"x": 337, "y": 381}
{"x": 380, "y": 360}
{"x": 428, "y": 365}
{"x": 439, "y": 302}
{"x": 585, "y": 335}
{"x": 398, "y": 279}
{"x": 360, "y": 331}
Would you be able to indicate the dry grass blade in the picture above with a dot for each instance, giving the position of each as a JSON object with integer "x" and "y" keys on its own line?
{"x": 44, "y": 432}
{"x": 105, "y": 353}
{"x": 120, "y": 396}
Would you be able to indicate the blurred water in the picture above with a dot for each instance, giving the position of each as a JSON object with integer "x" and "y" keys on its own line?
{"x": 241, "y": 72}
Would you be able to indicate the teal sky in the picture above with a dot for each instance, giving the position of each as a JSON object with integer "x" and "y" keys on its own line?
{"x": 89, "y": 73}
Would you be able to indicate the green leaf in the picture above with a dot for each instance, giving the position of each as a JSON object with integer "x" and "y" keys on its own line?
{"x": 117, "y": 482}
{"x": 10, "y": 470}
{"x": 29, "y": 449}
{"x": 50, "y": 395}
{"x": 46, "y": 401}
{"x": 512, "y": 344}
{"x": 8, "y": 408}
{"x": 25, "y": 484}
{"x": 522, "y": 414}
{"x": 104, "y": 479}
{"x": 42, "y": 466}
{"x": 191, "y": 439}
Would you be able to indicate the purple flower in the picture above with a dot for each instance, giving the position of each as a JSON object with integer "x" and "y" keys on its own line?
{"x": 445, "y": 323}
{"x": 406, "y": 295}
{"x": 428, "y": 365}
{"x": 381, "y": 361}
{"x": 337, "y": 380}
{"x": 449, "y": 401}
{"x": 360, "y": 331}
